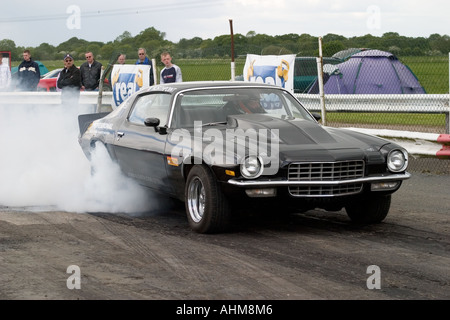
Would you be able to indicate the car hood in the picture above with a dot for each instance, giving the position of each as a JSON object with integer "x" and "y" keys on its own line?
{"x": 304, "y": 140}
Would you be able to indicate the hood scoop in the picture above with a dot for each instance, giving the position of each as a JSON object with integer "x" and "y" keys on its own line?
{"x": 291, "y": 132}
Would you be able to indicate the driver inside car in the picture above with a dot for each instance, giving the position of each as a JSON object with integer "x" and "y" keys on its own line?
{"x": 249, "y": 106}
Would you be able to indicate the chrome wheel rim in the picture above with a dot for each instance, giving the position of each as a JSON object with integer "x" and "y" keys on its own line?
{"x": 196, "y": 199}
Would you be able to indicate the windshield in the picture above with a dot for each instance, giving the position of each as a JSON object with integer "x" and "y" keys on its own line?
{"x": 214, "y": 105}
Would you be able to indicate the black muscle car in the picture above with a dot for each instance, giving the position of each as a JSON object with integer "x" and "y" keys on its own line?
{"x": 219, "y": 145}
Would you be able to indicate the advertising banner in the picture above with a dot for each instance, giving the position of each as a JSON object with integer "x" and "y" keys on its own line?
{"x": 276, "y": 70}
{"x": 126, "y": 79}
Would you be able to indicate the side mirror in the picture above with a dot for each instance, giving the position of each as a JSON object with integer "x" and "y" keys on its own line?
{"x": 152, "y": 122}
{"x": 316, "y": 116}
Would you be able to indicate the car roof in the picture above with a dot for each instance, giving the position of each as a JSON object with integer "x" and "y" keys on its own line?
{"x": 180, "y": 86}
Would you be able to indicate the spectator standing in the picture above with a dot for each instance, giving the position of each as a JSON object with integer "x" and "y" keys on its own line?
{"x": 171, "y": 72}
{"x": 91, "y": 71}
{"x": 121, "y": 59}
{"x": 69, "y": 81}
{"x": 28, "y": 73}
{"x": 5, "y": 76}
{"x": 143, "y": 59}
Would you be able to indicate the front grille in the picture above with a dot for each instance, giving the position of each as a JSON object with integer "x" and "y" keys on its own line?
{"x": 325, "y": 171}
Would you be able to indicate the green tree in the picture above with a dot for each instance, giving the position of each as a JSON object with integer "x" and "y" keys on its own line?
{"x": 333, "y": 37}
{"x": 439, "y": 43}
{"x": 106, "y": 51}
{"x": 95, "y": 49}
{"x": 9, "y": 45}
{"x": 260, "y": 40}
{"x": 307, "y": 45}
{"x": 366, "y": 41}
{"x": 149, "y": 35}
{"x": 219, "y": 47}
{"x": 76, "y": 47}
{"x": 124, "y": 37}
{"x": 275, "y": 50}
{"x": 331, "y": 47}
{"x": 302, "y": 45}
{"x": 44, "y": 51}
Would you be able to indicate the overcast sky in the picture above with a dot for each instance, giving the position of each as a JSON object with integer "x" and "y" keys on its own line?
{"x": 30, "y": 23}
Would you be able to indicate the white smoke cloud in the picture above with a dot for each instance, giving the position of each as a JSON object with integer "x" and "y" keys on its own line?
{"x": 42, "y": 164}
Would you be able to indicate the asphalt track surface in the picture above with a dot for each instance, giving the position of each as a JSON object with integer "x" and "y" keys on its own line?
{"x": 317, "y": 255}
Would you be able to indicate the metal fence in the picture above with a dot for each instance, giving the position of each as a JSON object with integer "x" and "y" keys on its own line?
{"x": 426, "y": 111}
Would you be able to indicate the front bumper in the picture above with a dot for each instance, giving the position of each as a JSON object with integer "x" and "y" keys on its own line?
{"x": 323, "y": 188}
{"x": 287, "y": 183}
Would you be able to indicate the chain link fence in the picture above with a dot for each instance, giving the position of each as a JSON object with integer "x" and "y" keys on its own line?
{"x": 401, "y": 89}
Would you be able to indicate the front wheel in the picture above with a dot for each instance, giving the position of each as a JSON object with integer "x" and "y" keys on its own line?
{"x": 370, "y": 209}
{"x": 207, "y": 208}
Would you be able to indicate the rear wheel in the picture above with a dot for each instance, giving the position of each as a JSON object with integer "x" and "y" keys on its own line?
{"x": 370, "y": 209}
{"x": 207, "y": 208}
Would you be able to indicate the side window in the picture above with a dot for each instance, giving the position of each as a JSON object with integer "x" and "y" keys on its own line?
{"x": 155, "y": 105}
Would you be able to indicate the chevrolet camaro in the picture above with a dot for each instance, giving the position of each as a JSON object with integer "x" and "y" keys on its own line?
{"x": 220, "y": 146}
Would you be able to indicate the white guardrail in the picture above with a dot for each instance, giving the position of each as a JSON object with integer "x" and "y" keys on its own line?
{"x": 417, "y": 143}
{"x": 400, "y": 103}
{"x": 86, "y": 97}
{"x": 408, "y": 103}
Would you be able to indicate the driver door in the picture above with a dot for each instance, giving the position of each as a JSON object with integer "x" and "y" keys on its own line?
{"x": 140, "y": 149}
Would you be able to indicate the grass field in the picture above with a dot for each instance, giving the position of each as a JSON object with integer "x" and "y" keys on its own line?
{"x": 192, "y": 69}
{"x": 425, "y": 120}
{"x": 432, "y": 72}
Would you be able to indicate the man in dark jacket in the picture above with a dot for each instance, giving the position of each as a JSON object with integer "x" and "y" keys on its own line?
{"x": 90, "y": 73}
{"x": 69, "y": 81}
{"x": 28, "y": 73}
{"x": 143, "y": 59}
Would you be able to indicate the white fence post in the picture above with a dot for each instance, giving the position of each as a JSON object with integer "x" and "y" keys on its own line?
{"x": 447, "y": 116}
{"x": 320, "y": 78}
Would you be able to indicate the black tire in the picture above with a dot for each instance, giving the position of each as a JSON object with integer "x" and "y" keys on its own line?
{"x": 369, "y": 209}
{"x": 207, "y": 208}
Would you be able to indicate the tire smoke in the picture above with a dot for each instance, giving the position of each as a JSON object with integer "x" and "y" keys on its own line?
{"x": 42, "y": 165}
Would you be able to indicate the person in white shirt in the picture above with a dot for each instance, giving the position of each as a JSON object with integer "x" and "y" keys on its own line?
{"x": 171, "y": 72}
{"x": 5, "y": 76}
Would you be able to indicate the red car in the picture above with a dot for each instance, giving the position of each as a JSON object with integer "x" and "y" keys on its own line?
{"x": 48, "y": 82}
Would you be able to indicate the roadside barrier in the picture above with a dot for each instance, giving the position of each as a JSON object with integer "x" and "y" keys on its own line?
{"x": 416, "y": 143}
{"x": 54, "y": 98}
{"x": 444, "y": 153}
{"x": 381, "y": 103}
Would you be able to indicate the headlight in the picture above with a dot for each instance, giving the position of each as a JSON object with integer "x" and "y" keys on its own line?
{"x": 397, "y": 160}
{"x": 252, "y": 167}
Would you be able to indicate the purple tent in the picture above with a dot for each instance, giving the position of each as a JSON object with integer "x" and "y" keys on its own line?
{"x": 370, "y": 72}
